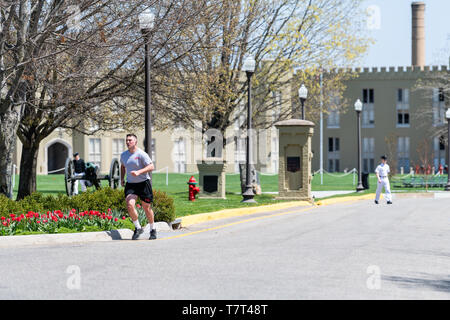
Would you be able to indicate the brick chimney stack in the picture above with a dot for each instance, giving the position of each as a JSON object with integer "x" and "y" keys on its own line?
{"x": 418, "y": 34}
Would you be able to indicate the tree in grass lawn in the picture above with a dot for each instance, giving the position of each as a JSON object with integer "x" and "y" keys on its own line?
{"x": 209, "y": 86}
{"x": 426, "y": 156}
{"x": 28, "y": 30}
{"x": 90, "y": 84}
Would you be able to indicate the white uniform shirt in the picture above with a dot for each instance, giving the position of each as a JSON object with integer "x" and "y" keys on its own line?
{"x": 382, "y": 170}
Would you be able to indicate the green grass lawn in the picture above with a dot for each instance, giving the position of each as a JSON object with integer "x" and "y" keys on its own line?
{"x": 177, "y": 188}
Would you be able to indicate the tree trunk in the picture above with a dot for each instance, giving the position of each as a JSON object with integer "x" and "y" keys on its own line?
{"x": 28, "y": 164}
{"x": 9, "y": 123}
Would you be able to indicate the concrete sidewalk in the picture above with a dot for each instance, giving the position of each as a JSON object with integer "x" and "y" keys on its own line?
{"x": 65, "y": 238}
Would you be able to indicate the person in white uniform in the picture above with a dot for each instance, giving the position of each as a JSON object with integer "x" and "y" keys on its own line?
{"x": 382, "y": 172}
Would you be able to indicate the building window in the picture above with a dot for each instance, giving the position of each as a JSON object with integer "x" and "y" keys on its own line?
{"x": 118, "y": 146}
{"x": 368, "y": 112}
{"x": 333, "y": 119}
{"x": 333, "y": 144}
{"x": 441, "y": 94}
{"x": 402, "y": 108}
{"x": 95, "y": 152}
{"x": 438, "y": 105}
{"x": 368, "y": 96}
{"x": 240, "y": 117}
{"x": 439, "y": 151}
{"x": 368, "y": 154}
{"x": 240, "y": 145}
{"x": 403, "y": 154}
{"x": 153, "y": 156}
{"x": 276, "y": 108}
{"x": 333, "y": 154}
{"x": 274, "y": 154}
{"x": 180, "y": 155}
{"x": 333, "y": 110}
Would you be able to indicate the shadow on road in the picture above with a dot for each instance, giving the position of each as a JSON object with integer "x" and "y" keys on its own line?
{"x": 424, "y": 281}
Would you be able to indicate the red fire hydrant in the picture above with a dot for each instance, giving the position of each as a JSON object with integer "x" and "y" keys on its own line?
{"x": 441, "y": 169}
{"x": 193, "y": 190}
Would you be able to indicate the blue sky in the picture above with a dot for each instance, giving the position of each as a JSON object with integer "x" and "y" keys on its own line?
{"x": 393, "y": 33}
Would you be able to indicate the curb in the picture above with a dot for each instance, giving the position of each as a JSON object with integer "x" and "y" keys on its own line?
{"x": 62, "y": 238}
{"x": 346, "y": 199}
{"x": 229, "y": 213}
{"x": 65, "y": 238}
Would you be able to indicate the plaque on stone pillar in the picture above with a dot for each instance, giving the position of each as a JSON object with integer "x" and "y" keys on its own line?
{"x": 210, "y": 183}
{"x": 293, "y": 164}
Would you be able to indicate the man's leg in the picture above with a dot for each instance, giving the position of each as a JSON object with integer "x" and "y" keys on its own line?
{"x": 379, "y": 187}
{"x": 131, "y": 202}
{"x": 148, "y": 212}
{"x": 387, "y": 190}
{"x": 75, "y": 187}
{"x": 151, "y": 219}
{"x": 83, "y": 185}
{"x": 131, "y": 206}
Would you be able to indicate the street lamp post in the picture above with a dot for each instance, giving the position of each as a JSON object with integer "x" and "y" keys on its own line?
{"x": 249, "y": 68}
{"x": 303, "y": 94}
{"x": 146, "y": 23}
{"x": 447, "y": 115}
{"x": 358, "y": 109}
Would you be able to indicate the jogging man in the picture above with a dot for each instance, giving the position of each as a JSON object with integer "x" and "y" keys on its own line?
{"x": 137, "y": 164}
{"x": 382, "y": 172}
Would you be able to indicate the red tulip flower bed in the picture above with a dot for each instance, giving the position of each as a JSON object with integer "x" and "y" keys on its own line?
{"x": 57, "y": 221}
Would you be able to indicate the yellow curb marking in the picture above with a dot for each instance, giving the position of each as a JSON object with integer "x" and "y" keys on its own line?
{"x": 228, "y": 213}
{"x": 237, "y": 222}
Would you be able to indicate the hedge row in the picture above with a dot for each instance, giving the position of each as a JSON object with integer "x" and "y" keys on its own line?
{"x": 98, "y": 200}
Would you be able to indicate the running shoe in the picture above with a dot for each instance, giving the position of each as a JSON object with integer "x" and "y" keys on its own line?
{"x": 137, "y": 233}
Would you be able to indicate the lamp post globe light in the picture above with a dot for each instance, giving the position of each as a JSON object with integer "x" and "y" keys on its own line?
{"x": 146, "y": 24}
{"x": 303, "y": 94}
{"x": 358, "y": 109}
{"x": 249, "y": 68}
{"x": 447, "y": 115}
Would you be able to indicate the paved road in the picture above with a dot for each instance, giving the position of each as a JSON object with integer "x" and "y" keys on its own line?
{"x": 352, "y": 250}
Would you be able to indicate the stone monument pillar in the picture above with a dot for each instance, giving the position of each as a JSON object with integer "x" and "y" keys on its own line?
{"x": 212, "y": 170}
{"x": 294, "y": 173}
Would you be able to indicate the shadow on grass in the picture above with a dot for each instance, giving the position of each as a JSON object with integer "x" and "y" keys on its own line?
{"x": 436, "y": 283}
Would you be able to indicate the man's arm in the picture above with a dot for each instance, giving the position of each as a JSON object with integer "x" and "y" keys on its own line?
{"x": 146, "y": 169}
{"x": 122, "y": 174}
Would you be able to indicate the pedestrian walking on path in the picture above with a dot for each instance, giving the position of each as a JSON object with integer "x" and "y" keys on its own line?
{"x": 137, "y": 165}
{"x": 382, "y": 172}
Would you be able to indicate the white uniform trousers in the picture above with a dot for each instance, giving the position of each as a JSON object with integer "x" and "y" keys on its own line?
{"x": 387, "y": 189}
{"x": 82, "y": 182}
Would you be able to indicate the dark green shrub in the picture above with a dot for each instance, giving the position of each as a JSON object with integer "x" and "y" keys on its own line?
{"x": 8, "y": 206}
{"x": 100, "y": 200}
{"x": 33, "y": 202}
{"x": 163, "y": 207}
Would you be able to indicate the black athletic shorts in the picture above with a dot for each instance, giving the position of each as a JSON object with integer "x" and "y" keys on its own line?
{"x": 142, "y": 189}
